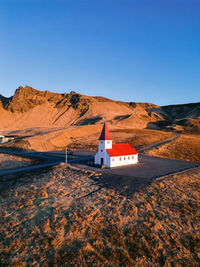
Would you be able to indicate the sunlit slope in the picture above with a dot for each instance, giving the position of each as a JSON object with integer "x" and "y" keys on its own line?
{"x": 30, "y": 108}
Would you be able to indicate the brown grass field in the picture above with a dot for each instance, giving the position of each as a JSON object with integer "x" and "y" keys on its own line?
{"x": 64, "y": 218}
{"x": 84, "y": 138}
{"x": 140, "y": 138}
{"x": 9, "y": 161}
{"x": 186, "y": 147}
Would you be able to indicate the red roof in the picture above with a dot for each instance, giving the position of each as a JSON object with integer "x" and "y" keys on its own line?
{"x": 105, "y": 133}
{"x": 121, "y": 150}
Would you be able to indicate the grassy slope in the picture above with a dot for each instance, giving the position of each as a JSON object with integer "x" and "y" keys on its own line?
{"x": 186, "y": 147}
{"x": 139, "y": 138}
{"x": 86, "y": 137}
{"x": 52, "y": 218}
{"x": 9, "y": 161}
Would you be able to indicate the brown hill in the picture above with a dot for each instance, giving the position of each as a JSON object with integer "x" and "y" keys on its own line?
{"x": 26, "y": 98}
{"x": 32, "y": 108}
{"x": 49, "y": 120}
{"x": 182, "y": 118}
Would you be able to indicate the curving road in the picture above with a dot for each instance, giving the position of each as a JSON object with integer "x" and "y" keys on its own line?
{"x": 148, "y": 166}
{"x": 47, "y": 160}
{"x": 159, "y": 143}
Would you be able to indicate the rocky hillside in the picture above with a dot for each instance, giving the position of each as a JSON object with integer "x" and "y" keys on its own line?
{"x": 32, "y": 108}
{"x": 4, "y": 101}
{"x": 29, "y": 108}
{"x": 184, "y": 117}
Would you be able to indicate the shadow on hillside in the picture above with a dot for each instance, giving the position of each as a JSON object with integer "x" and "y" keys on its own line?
{"x": 122, "y": 117}
{"x": 89, "y": 121}
{"x": 158, "y": 125}
{"x": 191, "y": 126}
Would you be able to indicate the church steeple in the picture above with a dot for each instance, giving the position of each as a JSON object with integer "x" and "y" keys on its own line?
{"x": 105, "y": 141}
{"x": 105, "y": 133}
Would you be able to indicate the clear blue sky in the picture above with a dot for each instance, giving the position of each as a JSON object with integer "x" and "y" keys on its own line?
{"x": 130, "y": 50}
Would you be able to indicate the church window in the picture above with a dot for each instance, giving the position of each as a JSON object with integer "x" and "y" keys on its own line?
{"x": 124, "y": 158}
{"x": 132, "y": 157}
{"x": 101, "y": 150}
{"x": 120, "y": 158}
{"x": 128, "y": 157}
{"x": 113, "y": 159}
{"x": 101, "y": 142}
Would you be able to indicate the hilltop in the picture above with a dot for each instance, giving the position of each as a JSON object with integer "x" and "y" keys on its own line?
{"x": 29, "y": 108}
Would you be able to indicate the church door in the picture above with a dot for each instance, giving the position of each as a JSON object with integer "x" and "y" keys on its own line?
{"x": 101, "y": 161}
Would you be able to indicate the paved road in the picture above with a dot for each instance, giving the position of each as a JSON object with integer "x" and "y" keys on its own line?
{"x": 47, "y": 160}
{"x": 149, "y": 167}
{"x": 153, "y": 167}
{"x": 28, "y": 168}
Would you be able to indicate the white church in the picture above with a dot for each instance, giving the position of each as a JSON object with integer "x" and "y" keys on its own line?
{"x": 114, "y": 155}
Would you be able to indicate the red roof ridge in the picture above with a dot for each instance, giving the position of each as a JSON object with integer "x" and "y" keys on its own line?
{"x": 123, "y": 149}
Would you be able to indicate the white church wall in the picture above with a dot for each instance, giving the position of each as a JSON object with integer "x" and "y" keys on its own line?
{"x": 118, "y": 161}
{"x": 102, "y": 154}
{"x": 108, "y": 160}
{"x": 123, "y": 160}
{"x": 96, "y": 158}
{"x": 105, "y": 144}
{"x": 105, "y": 156}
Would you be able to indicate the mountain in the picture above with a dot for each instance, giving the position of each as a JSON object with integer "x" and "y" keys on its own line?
{"x": 29, "y": 108}
{"x": 185, "y": 117}
{"x": 33, "y": 108}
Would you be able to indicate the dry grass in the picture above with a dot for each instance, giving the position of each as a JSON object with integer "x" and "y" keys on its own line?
{"x": 84, "y": 137}
{"x": 141, "y": 138}
{"x": 186, "y": 147}
{"x": 63, "y": 218}
{"x": 135, "y": 137}
{"x": 9, "y": 161}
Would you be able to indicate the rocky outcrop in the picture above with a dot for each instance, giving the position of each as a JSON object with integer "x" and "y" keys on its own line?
{"x": 29, "y": 107}
{"x": 4, "y": 101}
{"x": 26, "y": 98}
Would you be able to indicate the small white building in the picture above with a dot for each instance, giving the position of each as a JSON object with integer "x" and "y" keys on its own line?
{"x": 1, "y": 139}
{"x": 114, "y": 155}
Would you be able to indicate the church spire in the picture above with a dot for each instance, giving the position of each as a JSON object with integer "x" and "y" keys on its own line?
{"x": 105, "y": 133}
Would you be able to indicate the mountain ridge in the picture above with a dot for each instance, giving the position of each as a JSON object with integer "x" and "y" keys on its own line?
{"x": 52, "y": 97}
{"x": 29, "y": 107}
